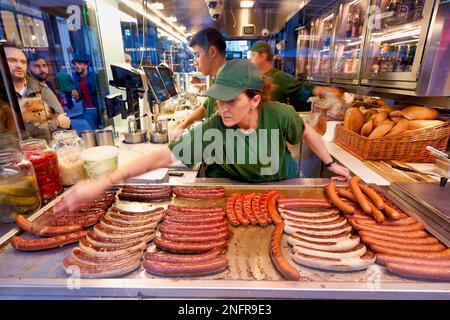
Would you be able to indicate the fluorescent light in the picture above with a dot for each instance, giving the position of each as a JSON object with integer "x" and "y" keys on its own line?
{"x": 329, "y": 17}
{"x": 353, "y": 2}
{"x": 403, "y": 42}
{"x": 247, "y": 4}
{"x": 157, "y": 6}
{"x": 172, "y": 19}
{"x": 398, "y": 35}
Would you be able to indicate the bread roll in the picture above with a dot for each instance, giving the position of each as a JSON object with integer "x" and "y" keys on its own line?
{"x": 395, "y": 114}
{"x": 420, "y": 124}
{"x": 353, "y": 120}
{"x": 388, "y": 108}
{"x": 419, "y": 113}
{"x": 367, "y": 128}
{"x": 368, "y": 113}
{"x": 398, "y": 129}
{"x": 382, "y": 129}
{"x": 379, "y": 118}
{"x": 396, "y": 119}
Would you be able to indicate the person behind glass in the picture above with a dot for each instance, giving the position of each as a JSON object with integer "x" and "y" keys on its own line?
{"x": 85, "y": 82}
{"x": 245, "y": 113}
{"x": 41, "y": 110}
{"x": 287, "y": 88}
{"x": 39, "y": 70}
{"x": 66, "y": 85}
{"x": 128, "y": 59}
{"x": 209, "y": 56}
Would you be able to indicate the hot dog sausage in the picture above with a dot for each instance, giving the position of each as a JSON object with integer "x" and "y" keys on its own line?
{"x": 402, "y": 246}
{"x": 360, "y": 198}
{"x": 232, "y": 219}
{"x": 239, "y": 210}
{"x": 41, "y": 230}
{"x": 188, "y": 247}
{"x": 180, "y": 258}
{"x": 21, "y": 243}
{"x": 332, "y": 195}
{"x": 419, "y": 271}
{"x": 282, "y": 265}
{"x": 373, "y": 196}
{"x": 398, "y": 239}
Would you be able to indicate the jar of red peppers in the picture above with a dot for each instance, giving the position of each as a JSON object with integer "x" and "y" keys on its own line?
{"x": 45, "y": 163}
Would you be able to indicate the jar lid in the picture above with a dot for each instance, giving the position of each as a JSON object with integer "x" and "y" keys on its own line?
{"x": 33, "y": 144}
{"x": 9, "y": 155}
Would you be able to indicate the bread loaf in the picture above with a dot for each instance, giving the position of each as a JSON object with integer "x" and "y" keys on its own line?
{"x": 396, "y": 119}
{"x": 367, "y": 128}
{"x": 353, "y": 120}
{"x": 420, "y": 124}
{"x": 382, "y": 129}
{"x": 419, "y": 113}
{"x": 379, "y": 118}
{"x": 398, "y": 129}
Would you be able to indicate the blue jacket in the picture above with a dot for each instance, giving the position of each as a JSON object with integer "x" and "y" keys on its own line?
{"x": 92, "y": 85}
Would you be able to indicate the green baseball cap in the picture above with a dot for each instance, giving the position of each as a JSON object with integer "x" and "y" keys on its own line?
{"x": 263, "y": 47}
{"x": 234, "y": 77}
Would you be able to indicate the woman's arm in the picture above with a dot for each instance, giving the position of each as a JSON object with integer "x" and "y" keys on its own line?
{"x": 90, "y": 189}
{"x": 197, "y": 115}
{"x": 316, "y": 144}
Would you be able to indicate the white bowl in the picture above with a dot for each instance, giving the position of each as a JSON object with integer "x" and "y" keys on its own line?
{"x": 100, "y": 160}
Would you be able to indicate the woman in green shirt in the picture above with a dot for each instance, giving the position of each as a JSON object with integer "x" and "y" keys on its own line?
{"x": 246, "y": 139}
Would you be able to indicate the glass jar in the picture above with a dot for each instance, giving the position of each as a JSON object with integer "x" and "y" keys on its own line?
{"x": 19, "y": 192}
{"x": 45, "y": 163}
{"x": 68, "y": 146}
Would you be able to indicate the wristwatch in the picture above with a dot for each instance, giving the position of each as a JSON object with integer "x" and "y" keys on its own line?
{"x": 329, "y": 164}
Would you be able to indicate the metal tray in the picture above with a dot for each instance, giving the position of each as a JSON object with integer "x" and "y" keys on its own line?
{"x": 251, "y": 273}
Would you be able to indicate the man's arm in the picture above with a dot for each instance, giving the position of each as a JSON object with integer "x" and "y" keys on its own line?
{"x": 51, "y": 99}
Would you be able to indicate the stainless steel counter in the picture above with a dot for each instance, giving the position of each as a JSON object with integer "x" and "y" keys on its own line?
{"x": 251, "y": 273}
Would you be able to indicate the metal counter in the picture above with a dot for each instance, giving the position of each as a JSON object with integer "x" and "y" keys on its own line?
{"x": 251, "y": 273}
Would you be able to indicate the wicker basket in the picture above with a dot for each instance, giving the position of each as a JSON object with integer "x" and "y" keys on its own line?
{"x": 321, "y": 126}
{"x": 408, "y": 147}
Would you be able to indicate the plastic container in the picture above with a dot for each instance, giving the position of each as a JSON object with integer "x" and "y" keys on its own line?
{"x": 68, "y": 146}
{"x": 100, "y": 160}
{"x": 19, "y": 191}
{"x": 45, "y": 164}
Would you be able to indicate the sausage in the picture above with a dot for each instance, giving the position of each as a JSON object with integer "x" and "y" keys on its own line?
{"x": 375, "y": 213}
{"x": 346, "y": 244}
{"x": 21, "y": 243}
{"x": 145, "y": 187}
{"x": 304, "y": 203}
{"x": 247, "y": 205}
{"x": 148, "y": 189}
{"x": 186, "y": 215}
{"x": 195, "y": 238}
{"x": 239, "y": 210}
{"x": 385, "y": 258}
{"x": 194, "y": 190}
{"x": 102, "y": 242}
{"x": 106, "y": 232}
{"x": 303, "y": 200}
{"x": 323, "y": 239}
{"x": 412, "y": 254}
{"x": 401, "y": 222}
{"x": 143, "y": 198}
{"x": 339, "y": 222}
{"x": 283, "y": 266}
{"x": 194, "y": 220}
{"x": 332, "y": 195}
{"x": 356, "y": 251}
{"x": 406, "y": 234}
{"x": 309, "y": 213}
{"x": 402, "y": 246}
{"x": 360, "y": 198}
{"x": 292, "y": 228}
{"x": 102, "y": 270}
{"x": 327, "y": 218}
{"x": 190, "y": 232}
{"x": 370, "y": 222}
{"x": 194, "y": 227}
{"x": 84, "y": 222}
{"x": 373, "y": 196}
{"x": 188, "y": 247}
{"x": 272, "y": 208}
{"x": 398, "y": 239}
{"x": 256, "y": 208}
{"x": 137, "y": 213}
{"x": 180, "y": 258}
{"x": 336, "y": 264}
{"x": 263, "y": 204}
{"x": 183, "y": 269}
{"x": 195, "y": 210}
{"x": 199, "y": 193}
{"x": 88, "y": 247}
{"x": 419, "y": 271}
{"x": 231, "y": 215}
{"x": 411, "y": 227}
{"x": 139, "y": 226}
{"x": 124, "y": 219}
{"x": 392, "y": 213}
{"x": 42, "y": 230}
{"x": 86, "y": 258}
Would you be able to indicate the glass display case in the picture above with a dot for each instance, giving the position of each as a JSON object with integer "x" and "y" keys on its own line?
{"x": 323, "y": 34}
{"x": 304, "y": 41}
{"x": 348, "y": 41}
{"x": 396, "y": 35}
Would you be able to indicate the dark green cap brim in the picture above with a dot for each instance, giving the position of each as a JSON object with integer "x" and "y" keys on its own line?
{"x": 222, "y": 92}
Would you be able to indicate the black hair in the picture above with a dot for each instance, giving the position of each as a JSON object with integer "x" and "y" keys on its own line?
{"x": 209, "y": 37}
{"x": 35, "y": 57}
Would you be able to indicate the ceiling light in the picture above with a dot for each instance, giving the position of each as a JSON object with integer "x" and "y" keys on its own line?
{"x": 172, "y": 19}
{"x": 157, "y": 6}
{"x": 247, "y": 4}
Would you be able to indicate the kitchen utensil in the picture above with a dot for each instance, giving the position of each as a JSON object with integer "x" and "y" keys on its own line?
{"x": 104, "y": 137}
{"x": 396, "y": 166}
{"x": 437, "y": 152}
{"x": 89, "y": 138}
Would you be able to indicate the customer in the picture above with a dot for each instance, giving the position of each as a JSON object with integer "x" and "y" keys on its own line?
{"x": 244, "y": 114}
{"x": 66, "y": 85}
{"x": 86, "y": 84}
{"x": 30, "y": 92}
{"x": 39, "y": 70}
{"x": 209, "y": 56}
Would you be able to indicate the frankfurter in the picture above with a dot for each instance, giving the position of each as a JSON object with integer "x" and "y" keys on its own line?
{"x": 42, "y": 230}
{"x": 256, "y": 208}
{"x": 403, "y": 246}
{"x": 102, "y": 270}
{"x": 398, "y": 239}
{"x": 88, "y": 247}
{"x": 441, "y": 255}
{"x": 21, "y": 243}
{"x": 373, "y": 196}
{"x": 180, "y": 258}
{"x": 247, "y": 206}
{"x": 188, "y": 247}
{"x": 231, "y": 215}
{"x": 332, "y": 195}
{"x": 86, "y": 258}
{"x": 195, "y": 238}
{"x": 360, "y": 198}
{"x": 336, "y": 264}
{"x": 283, "y": 266}
{"x": 419, "y": 271}
{"x": 239, "y": 210}
{"x": 384, "y": 258}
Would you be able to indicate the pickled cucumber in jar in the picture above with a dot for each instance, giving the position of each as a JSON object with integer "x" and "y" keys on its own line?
{"x": 19, "y": 191}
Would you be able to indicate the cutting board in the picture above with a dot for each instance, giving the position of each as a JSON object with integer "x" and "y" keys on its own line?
{"x": 154, "y": 176}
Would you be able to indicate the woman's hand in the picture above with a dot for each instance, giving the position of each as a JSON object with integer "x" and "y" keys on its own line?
{"x": 342, "y": 172}
{"x": 84, "y": 191}
{"x": 176, "y": 133}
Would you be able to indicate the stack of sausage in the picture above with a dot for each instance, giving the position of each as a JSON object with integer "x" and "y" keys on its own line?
{"x": 320, "y": 237}
{"x": 145, "y": 193}
{"x": 116, "y": 245}
{"x": 399, "y": 241}
{"x": 192, "y": 243}
{"x": 199, "y": 192}
{"x": 249, "y": 208}
{"x": 283, "y": 266}
{"x": 61, "y": 227}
